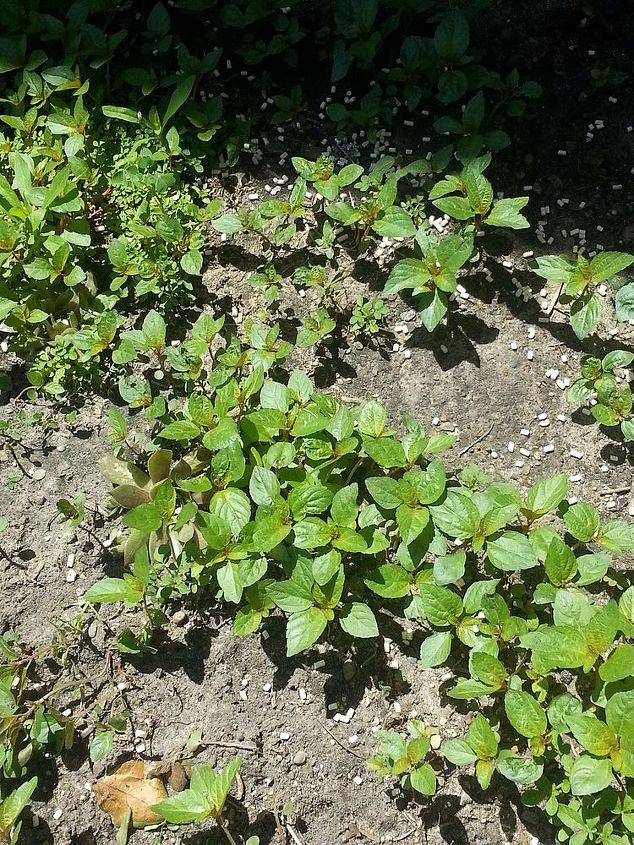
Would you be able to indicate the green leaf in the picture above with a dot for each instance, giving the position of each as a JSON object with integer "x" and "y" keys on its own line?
{"x": 560, "y": 563}
{"x": 619, "y": 713}
{"x": 291, "y": 596}
{"x": 582, "y": 520}
{"x": 511, "y": 551}
{"x": 479, "y": 190}
{"x": 411, "y": 522}
{"x": 169, "y": 229}
{"x": 386, "y": 492}
{"x": 372, "y": 419}
{"x": 423, "y": 779}
{"x": 385, "y": 451}
{"x": 304, "y": 629}
{"x": 506, "y": 213}
{"x": 524, "y": 713}
{"x": 180, "y": 95}
{"x": 457, "y": 207}
{"x": 154, "y": 330}
{"x": 410, "y": 273}
{"x": 619, "y": 665}
{"x": 520, "y": 770}
{"x": 555, "y": 268}
{"x": 192, "y": 262}
{"x": 180, "y": 430}
{"x": 395, "y": 222}
{"x": 388, "y": 581}
{"x": 183, "y": 808}
{"x": 459, "y": 752}
{"x": 545, "y": 496}
{"x": 617, "y": 536}
{"x": 624, "y": 301}
{"x": 146, "y": 518}
{"x": 607, "y": 264}
{"x": 111, "y": 590}
{"x": 101, "y": 745}
{"x": 589, "y": 775}
{"x": 448, "y": 569}
{"x": 14, "y": 803}
{"x": 585, "y": 313}
{"x": 344, "y": 508}
{"x": 556, "y": 647}
{"x": 120, "y": 113}
{"x": 432, "y": 307}
{"x": 451, "y": 38}
{"x": 233, "y": 506}
{"x": 481, "y": 737}
{"x": 592, "y": 734}
{"x": 457, "y": 516}
{"x": 435, "y": 649}
{"x": 358, "y": 620}
{"x": 264, "y": 487}
{"x": 441, "y": 606}
{"x": 487, "y": 668}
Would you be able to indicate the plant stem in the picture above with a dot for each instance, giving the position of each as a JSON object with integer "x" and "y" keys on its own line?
{"x": 227, "y": 832}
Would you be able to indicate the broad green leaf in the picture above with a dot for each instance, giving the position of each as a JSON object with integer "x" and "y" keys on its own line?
{"x": 619, "y": 665}
{"x": 180, "y": 430}
{"x": 233, "y": 506}
{"x": 304, "y": 629}
{"x": 459, "y": 752}
{"x": 435, "y": 649}
{"x": 358, "y": 620}
{"x": 624, "y": 302}
{"x": 582, "y": 520}
{"x": 607, "y": 264}
{"x": 457, "y": 516}
{"x": 560, "y": 563}
{"x": 423, "y": 779}
{"x": 617, "y": 536}
{"x": 146, "y": 518}
{"x": 506, "y": 213}
{"x": 585, "y": 314}
{"x": 545, "y": 496}
{"x": 524, "y": 713}
{"x": 388, "y": 581}
{"x": 411, "y": 522}
{"x": 264, "y": 486}
{"x": 511, "y": 551}
{"x": 113, "y": 589}
{"x": 521, "y": 770}
{"x": 592, "y": 734}
{"x": 344, "y": 507}
{"x": 481, "y": 737}
{"x": 386, "y": 492}
{"x": 442, "y": 607}
{"x": 619, "y": 713}
{"x": 589, "y": 775}
{"x": 394, "y": 222}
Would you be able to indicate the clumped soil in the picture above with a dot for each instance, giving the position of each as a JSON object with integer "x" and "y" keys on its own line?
{"x": 244, "y": 694}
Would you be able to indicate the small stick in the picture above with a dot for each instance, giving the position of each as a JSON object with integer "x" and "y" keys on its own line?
{"x": 339, "y": 743}
{"x": 403, "y": 836}
{"x": 616, "y": 491}
{"x": 476, "y": 441}
{"x": 294, "y": 836}
{"x": 549, "y": 311}
{"x": 240, "y": 746}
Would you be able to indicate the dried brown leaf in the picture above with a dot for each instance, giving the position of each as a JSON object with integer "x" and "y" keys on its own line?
{"x": 129, "y": 788}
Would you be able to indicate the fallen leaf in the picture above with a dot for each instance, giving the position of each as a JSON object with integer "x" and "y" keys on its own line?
{"x": 129, "y": 789}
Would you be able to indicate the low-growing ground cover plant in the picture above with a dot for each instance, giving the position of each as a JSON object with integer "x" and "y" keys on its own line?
{"x": 578, "y": 280}
{"x": 603, "y": 384}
